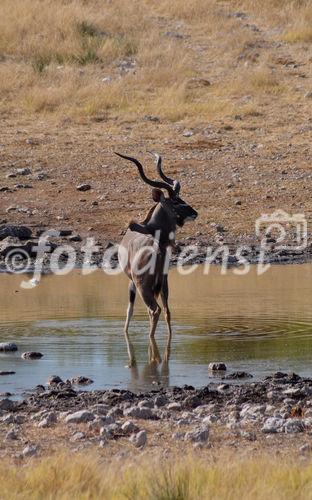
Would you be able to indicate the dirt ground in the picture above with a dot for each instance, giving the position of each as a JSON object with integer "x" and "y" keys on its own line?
{"x": 254, "y": 159}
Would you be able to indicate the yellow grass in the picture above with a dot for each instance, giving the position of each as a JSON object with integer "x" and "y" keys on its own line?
{"x": 88, "y": 476}
{"x": 56, "y": 54}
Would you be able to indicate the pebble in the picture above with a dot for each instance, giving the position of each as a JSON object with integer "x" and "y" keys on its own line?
{"x": 8, "y": 347}
{"x": 273, "y": 425}
{"x": 83, "y": 187}
{"x": 197, "y": 435}
{"x": 54, "y": 380}
{"x": 30, "y": 451}
{"x": 129, "y": 427}
{"x": 216, "y": 367}
{"x": 137, "y": 412}
{"x": 293, "y": 426}
{"x": 81, "y": 380}
{"x": 7, "y": 404}
{"x": 139, "y": 439}
{"x": 32, "y": 355}
{"x": 79, "y": 417}
{"x": 11, "y": 435}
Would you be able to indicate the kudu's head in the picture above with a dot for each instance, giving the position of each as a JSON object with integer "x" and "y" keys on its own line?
{"x": 177, "y": 210}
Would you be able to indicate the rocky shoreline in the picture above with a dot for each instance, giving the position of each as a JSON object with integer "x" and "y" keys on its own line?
{"x": 20, "y": 243}
{"x": 278, "y": 407}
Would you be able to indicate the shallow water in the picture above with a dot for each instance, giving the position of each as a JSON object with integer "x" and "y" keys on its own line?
{"x": 254, "y": 323}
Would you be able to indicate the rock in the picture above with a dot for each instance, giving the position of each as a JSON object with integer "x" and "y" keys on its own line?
{"x": 129, "y": 427}
{"x": 238, "y": 375}
{"x": 83, "y": 187}
{"x": 23, "y": 171}
{"x": 54, "y": 380}
{"x": 65, "y": 232}
{"x": 188, "y": 133}
{"x": 8, "y": 347}
{"x": 50, "y": 419}
{"x": 9, "y": 244}
{"x": 11, "y": 435}
{"x": 210, "y": 419}
{"x": 7, "y": 404}
{"x": 146, "y": 403}
{"x": 174, "y": 407}
{"x": 305, "y": 448}
{"x": 75, "y": 238}
{"x": 308, "y": 95}
{"x": 78, "y": 436}
{"x": 217, "y": 367}
{"x": 137, "y": 412}
{"x": 293, "y": 426}
{"x": 32, "y": 355}
{"x": 3, "y": 373}
{"x": 79, "y": 417}
{"x": 273, "y": 425}
{"x": 139, "y": 439}
{"x": 192, "y": 402}
{"x": 21, "y": 232}
{"x": 160, "y": 400}
{"x": 197, "y": 435}
{"x": 30, "y": 451}
{"x": 81, "y": 380}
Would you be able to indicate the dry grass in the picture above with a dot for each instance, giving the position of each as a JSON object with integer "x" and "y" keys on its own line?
{"x": 55, "y": 56}
{"x": 89, "y": 476}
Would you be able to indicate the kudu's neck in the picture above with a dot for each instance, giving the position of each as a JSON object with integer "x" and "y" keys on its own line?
{"x": 164, "y": 222}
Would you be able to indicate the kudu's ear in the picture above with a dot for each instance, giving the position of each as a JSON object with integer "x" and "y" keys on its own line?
{"x": 157, "y": 195}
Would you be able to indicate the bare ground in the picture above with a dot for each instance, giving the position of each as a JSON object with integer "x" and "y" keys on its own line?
{"x": 252, "y": 159}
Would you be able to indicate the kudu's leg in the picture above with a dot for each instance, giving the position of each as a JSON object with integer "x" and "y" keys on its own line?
{"x": 164, "y": 298}
{"x": 154, "y": 313}
{"x": 132, "y": 293}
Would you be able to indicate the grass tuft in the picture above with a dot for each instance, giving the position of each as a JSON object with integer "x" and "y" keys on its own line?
{"x": 87, "y": 476}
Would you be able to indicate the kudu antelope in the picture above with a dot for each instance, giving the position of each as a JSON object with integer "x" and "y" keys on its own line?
{"x": 149, "y": 241}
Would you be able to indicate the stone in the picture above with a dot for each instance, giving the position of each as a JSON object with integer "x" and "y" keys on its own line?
{"x": 78, "y": 436}
{"x": 129, "y": 427}
{"x": 160, "y": 400}
{"x": 293, "y": 426}
{"x": 308, "y": 95}
{"x": 8, "y": 347}
{"x": 139, "y": 439}
{"x": 23, "y": 171}
{"x": 238, "y": 375}
{"x": 30, "y": 451}
{"x": 79, "y": 417}
{"x": 21, "y": 232}
{"x": 32, "y": 355}
{"x": 137, "y": 412}
{"x": 273, "y": 425}
{"x": 3, "y": 373}
{"x": 197, "y": 435}
{"x": 54, "y": 380}
{"x": 305, "y": 448}
{"x": 7, "y": 404}
{"x": 11, "y": 435}
{"x": 174, "y": 407}
{"x": 81, "y": 380}
{"x": 217, "y": 367}
{"x": 83, "y": 187}
{"x": 50, "y": 419}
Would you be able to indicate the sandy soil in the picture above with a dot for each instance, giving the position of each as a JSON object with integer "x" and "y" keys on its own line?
{"x": 232, "y": 169}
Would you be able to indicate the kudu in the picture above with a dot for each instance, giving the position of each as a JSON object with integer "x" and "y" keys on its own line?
{"x": 148, "y": 242}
